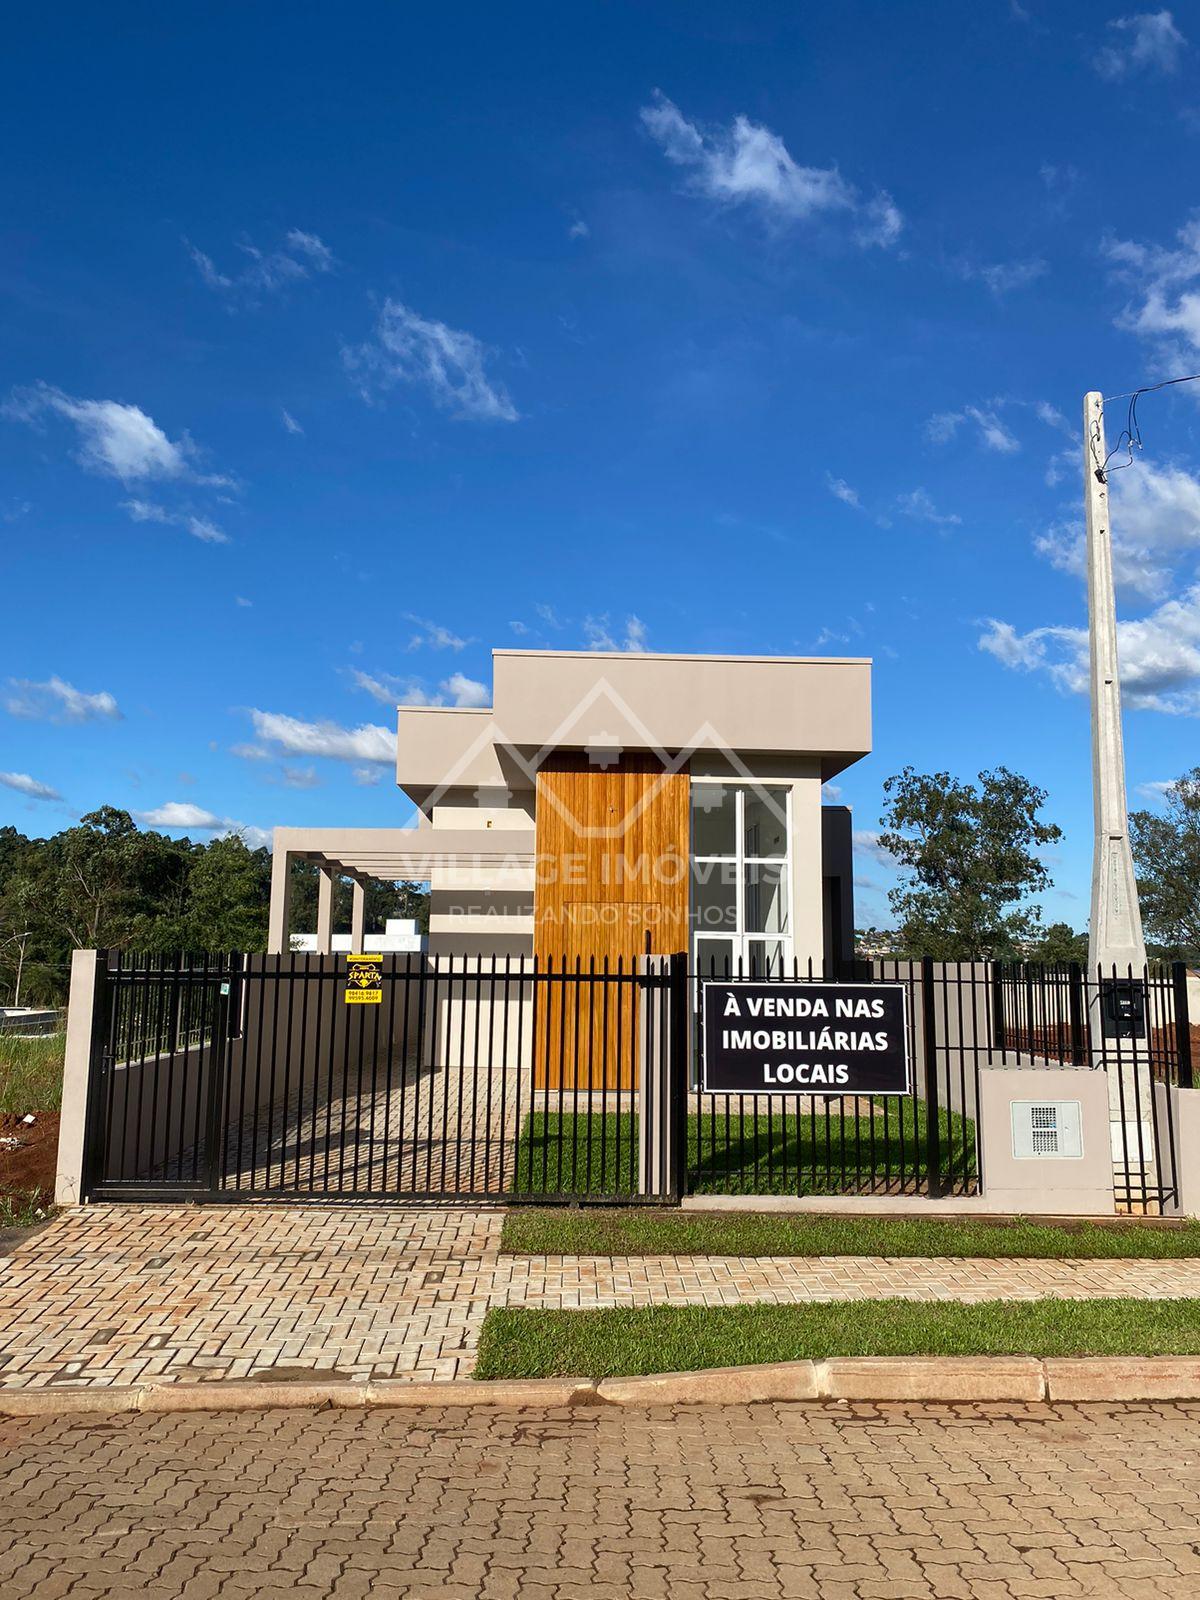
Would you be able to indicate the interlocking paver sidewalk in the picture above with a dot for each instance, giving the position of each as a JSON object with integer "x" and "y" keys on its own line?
{"x": 696, "y": 1503}
{"x": 125, "y": 1294}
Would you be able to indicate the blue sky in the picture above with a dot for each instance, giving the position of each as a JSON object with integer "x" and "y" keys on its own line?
{"x": 340, "y": 344}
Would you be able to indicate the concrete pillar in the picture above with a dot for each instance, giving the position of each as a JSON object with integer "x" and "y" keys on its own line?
{"x": 326, "y": 895}
{"x": 358, "y": 915}
{"x": 279, "y": 926}
{"x": 1115, "y": 930}
{"x": 72, "y": 1127}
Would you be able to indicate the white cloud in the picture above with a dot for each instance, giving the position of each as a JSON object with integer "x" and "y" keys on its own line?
{"x": 1159, "y": 655}
{"x": 841, "y": 490}
{"x": 456, "y": 690}
{"x": 240, "y": 600}
{"x": 368, "y": 742}
{"x": 57, "y": 701}
{"x": 367, "y": 777}
{"x": 115, "y": 439}
{"x": 300, "y": 777}
{"x": 866, "y": 843}
{"x": 1155, "y": 520}
{"x": 599, "y": 635}
{"x": 290, "y": 422}
{"x": 746, "y": 164}
{"x": 250, "y": 752}
{"x": 991, "y": 432}
{"x": 180, "y": 814}
{"x": 464, "y": 691}
{"x": 1166, "y": 303}
{"x": 448, "y": 363}
{"x": 918, "y": 506}
{"x": 269, "y": 271}
{"x": 1158, "y": 790}
{"x": 24, "y": 784}
{"x": 1002, "y": 277}
{"x": 1146, "y": 42}
{"x": 433, "y": 635}
{"x": 202, "y": 528}
{"x": 578, "y": 229}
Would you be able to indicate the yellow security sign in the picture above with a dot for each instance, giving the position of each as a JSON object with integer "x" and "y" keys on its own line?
{"x": 364, "y": 980}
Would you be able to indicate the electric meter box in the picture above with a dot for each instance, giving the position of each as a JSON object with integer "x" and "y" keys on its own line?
{"x": 1047, "y": 1129}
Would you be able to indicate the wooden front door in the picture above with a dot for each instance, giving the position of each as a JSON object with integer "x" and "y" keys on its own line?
{"x": 612, "y": 854}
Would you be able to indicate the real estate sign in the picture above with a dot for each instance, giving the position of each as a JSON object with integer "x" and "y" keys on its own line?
{"x": 804, "y": 1038}
{"x": 364, "y": 980}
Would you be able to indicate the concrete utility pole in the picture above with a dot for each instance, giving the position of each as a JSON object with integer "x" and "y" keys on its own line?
{"x": 1117, "y": 1009}
{"x": 1115, "y": 934}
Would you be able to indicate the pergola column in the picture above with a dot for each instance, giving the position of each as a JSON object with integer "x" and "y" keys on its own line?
{"x": 279, "y": 922}
{"x": 358, "y": 915}
{"x": 327, "y": 884}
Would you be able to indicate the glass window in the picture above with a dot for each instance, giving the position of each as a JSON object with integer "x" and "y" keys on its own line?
{"x": 767, "y": 958}
{"x": 714, "y": 819}
{"x": 741, "y": 882}
{"x": 715, "y": 957}
{"x": 765, "y": 900}
{"x": 765, "y": 824}
{"x": 714, "y": 897}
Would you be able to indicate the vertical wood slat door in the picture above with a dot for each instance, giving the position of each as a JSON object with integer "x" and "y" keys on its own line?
{"x": 612, "y": 854}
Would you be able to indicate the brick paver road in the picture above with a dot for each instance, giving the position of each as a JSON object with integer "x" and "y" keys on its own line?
{"x": 734, "y": 1503}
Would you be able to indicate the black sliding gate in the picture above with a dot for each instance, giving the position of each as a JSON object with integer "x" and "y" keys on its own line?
{"x": 505, "y": 1080}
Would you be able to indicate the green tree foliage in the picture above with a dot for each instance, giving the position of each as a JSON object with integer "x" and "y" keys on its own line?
{"x": 969, "y": 855}
{"x": 108, "y": 884}
{"x": 1058, "y": 945}
{"x": 1166, "y": 852}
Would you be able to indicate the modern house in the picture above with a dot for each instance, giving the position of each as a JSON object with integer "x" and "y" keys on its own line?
{"x": 607, "y": 804}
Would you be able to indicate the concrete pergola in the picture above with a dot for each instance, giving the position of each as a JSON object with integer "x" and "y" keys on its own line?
{"x": 390, "y": 854}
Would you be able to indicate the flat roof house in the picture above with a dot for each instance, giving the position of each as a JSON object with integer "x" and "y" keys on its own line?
{"x": 607, "y": 804}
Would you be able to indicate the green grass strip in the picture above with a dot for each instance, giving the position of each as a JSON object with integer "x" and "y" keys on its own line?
{"x": 633, "y": 1232}
{"x": 528, "y": 1343}
{"x": 809, "y": 1153}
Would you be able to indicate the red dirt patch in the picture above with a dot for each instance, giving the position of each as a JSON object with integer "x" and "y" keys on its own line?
{"x": 28, "y": 1166}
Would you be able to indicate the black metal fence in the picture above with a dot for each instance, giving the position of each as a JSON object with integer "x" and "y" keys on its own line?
{"x": 471, "y": 1078}
{"x": 506, "y": 1079}
{"x": 923, "y": 1142}
{"x": 1133, "y": 1024}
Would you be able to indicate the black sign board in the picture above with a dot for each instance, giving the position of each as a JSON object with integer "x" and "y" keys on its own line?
{"x": 805, "y": 1038}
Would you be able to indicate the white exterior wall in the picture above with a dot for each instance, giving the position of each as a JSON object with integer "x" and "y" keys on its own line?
{"x": 489, "y": 908}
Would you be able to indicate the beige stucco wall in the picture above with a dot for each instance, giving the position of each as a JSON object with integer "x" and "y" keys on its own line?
{"x": 817, "y": 705}
{"x": 1045, "y": 1186}
{"x": 1177, "y": 1114}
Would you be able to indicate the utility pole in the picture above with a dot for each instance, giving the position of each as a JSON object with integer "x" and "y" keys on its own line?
{"x": 1115, "y": 934}
{"x": 1116, "y": 949}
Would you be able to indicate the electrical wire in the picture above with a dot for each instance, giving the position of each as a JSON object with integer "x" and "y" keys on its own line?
{"x": 1130, "y": 437}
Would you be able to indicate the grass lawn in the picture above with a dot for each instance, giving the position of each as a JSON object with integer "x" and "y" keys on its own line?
{"x": 568, "y": 1153}
{"x": 31, "y": 1073}
{"x": 639, "y": 1232}
{"x": 528, "y": 1343}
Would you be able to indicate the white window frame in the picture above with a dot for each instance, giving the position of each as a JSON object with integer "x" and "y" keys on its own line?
{"x": 738, "y": 941}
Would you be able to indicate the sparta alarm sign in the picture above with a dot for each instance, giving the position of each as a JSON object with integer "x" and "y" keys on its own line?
{"x": 805, "y": 1038}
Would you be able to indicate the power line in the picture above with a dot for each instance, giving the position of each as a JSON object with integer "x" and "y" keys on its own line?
{"x": 1130, "y": 438}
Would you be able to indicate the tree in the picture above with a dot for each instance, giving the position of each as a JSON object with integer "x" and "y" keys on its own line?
{"x": 229, "y": 891}
{"x": 1166, "y": 853}
{"x": 969, "y": 856}
{"x": 1058, "y": 945}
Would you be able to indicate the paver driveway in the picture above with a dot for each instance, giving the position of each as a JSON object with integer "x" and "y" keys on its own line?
{"x": 733, "y": 1503}
{"x": 127, "y": 1294}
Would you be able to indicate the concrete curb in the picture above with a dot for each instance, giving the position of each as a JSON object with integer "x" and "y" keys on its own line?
{"x": 957, "y": 1380}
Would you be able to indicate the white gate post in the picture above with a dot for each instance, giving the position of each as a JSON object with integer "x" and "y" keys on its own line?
{"x": 72, "y": 1127}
